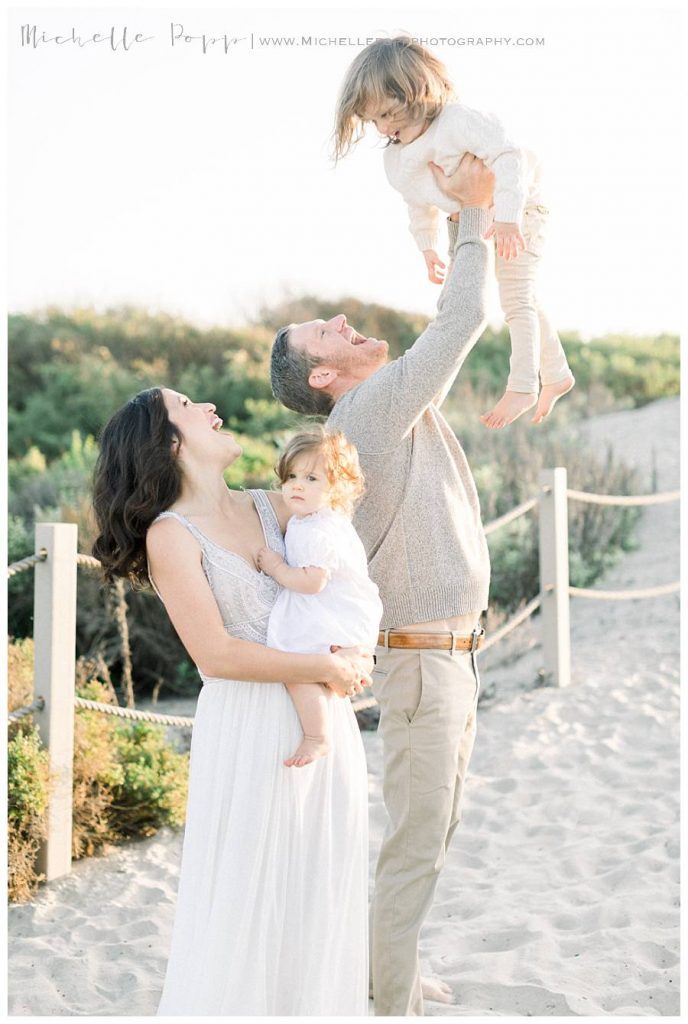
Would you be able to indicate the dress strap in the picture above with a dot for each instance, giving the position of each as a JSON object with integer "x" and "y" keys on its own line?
{"x": 189, "y": 526}
{"x": 200, "y": 537}
{"x": 269, "y": 520}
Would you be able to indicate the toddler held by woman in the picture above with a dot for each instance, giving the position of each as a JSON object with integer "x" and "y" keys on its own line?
{"x": 328, "y": 597}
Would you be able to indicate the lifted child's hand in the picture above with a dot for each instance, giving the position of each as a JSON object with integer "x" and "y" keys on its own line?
{"x": 508, "y": 238}
{"x": 435, "y": 266}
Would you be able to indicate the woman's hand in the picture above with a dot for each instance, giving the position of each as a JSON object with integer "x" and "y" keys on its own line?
{"x": 351, "y": 668}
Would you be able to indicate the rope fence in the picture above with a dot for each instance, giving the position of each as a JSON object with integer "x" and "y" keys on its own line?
{"x": 625, "y": 595}
{"x": 517, "y": 619}
{"x": 19, "y": 713}
{"x": 509, "y": 517}
{"x": 87, "y": 561}
{"x": 26, "y": 563}
{"x": 135, "y": 715}
{"x": 132, "y": 714}
{"x": 56, "y": 561}
{"x": 624, "y": 499}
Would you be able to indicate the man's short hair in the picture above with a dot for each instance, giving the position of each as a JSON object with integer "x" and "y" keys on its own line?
{"x": 289, "y": 372}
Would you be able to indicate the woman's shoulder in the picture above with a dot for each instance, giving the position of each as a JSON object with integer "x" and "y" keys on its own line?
{"x": 278, "y": 506}
{"x": 168, "y": 531}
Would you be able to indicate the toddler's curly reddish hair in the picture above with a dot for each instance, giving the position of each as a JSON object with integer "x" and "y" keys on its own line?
{"x": 342, "y": 467}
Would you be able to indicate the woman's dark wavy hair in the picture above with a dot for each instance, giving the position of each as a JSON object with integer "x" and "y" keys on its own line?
{"x": 137, "y": 476}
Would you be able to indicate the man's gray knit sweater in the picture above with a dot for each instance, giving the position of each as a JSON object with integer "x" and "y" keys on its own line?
{"x": 419, "y": 518}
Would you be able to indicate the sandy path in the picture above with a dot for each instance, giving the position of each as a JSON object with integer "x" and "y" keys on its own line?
{"x": 560, "y": 894}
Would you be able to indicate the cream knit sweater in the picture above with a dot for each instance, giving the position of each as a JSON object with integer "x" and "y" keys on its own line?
{"x": 419, "y": 518}
{"x": 455, "y": 131}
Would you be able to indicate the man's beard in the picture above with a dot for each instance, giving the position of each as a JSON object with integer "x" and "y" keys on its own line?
{"x": 360, "y": 357}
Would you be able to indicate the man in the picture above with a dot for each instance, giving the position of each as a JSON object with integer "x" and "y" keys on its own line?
{"x": 420, "y": 523}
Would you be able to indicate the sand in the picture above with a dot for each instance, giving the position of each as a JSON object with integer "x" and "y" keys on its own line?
{"x": 560, "y": 892}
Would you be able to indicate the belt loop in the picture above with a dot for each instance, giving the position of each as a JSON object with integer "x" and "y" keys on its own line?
{"x": 453, "y": 646}
{"x": 475, "y": 636}
{"x": 386, "y": 643}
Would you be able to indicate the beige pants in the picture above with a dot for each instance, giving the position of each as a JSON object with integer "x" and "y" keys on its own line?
{"x": 536, "y": 351}
{"x": 428, "y": 701}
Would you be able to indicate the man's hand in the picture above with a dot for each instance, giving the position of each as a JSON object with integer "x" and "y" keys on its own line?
{"x": 471, "y": 184}
{"x": 508, "y": 238}
{"x": 435, "y": 266}
{"x": 269, "y": 561}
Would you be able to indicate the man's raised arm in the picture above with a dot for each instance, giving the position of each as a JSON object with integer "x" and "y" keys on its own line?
{"x": 401, "y": 391}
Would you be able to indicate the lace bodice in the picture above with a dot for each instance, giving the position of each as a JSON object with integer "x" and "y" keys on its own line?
{"x": 244, "y": 595}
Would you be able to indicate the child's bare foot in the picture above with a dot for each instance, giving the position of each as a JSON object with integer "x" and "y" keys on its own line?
{"x": 509, "y": 407}
{"x": 549, "y": 395}
{"x": 436, "y": 990}
{"x": 309, "y": 749}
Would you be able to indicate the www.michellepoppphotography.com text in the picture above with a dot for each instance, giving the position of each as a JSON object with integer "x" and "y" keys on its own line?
{"x": 124, "y": 39}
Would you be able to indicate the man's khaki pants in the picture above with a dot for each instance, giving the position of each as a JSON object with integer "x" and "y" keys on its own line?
{"x": 428, "y": 701}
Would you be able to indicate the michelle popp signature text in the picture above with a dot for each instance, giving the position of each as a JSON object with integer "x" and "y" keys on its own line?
{"x": 120, "y": 38}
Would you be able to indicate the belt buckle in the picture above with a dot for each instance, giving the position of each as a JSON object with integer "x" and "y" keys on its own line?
{"x": 477, "y": 634}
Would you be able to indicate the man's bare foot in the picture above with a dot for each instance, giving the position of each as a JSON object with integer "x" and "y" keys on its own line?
{"x": 436, "y": 990}
{"x": 510, "y": 406}
{"x": 549, "y": 395}
{"x": 309, "y": 749}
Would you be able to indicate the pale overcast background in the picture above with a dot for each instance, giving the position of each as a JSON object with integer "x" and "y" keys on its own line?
{"x": 201, "y": 185}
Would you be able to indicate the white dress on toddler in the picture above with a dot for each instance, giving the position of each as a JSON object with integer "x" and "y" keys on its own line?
{"x": 348, "y": 610}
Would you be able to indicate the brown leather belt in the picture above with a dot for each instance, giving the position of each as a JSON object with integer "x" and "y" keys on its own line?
{"x": 446, "y": 641}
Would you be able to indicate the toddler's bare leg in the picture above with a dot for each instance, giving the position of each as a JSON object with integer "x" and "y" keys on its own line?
{"x": 310, "y": 701}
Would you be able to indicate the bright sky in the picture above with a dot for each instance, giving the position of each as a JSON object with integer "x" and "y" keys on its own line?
{"x": 200, "y": 184}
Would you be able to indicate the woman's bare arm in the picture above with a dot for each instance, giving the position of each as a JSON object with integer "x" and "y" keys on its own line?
{"x": 174, "y": 558}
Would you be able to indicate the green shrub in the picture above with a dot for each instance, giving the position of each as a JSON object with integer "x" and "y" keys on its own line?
{"x": 153, "y": 790}
{"x": 27, "y": 778}
{"x": 127, "y": 780}
{"x": 27, "y": 801}
{"x": 96, "y": 772}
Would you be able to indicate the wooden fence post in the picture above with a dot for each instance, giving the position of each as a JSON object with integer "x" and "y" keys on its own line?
{"x": 554, "y": 576}
{"x": 54, "y": 630}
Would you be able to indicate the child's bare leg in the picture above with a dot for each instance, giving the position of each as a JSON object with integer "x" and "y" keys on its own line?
{"x": 310, "y": 701}
{"x": 555, "y": 373}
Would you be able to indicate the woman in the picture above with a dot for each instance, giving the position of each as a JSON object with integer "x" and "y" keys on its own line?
{"x": 272, "y": 902}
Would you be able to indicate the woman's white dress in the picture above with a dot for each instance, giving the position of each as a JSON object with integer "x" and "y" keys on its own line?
{"x": 271, "y": 914}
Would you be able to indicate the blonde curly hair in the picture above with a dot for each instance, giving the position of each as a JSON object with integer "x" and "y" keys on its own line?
{"x": 397, "y": 69}
{"x": 342, "y": 467}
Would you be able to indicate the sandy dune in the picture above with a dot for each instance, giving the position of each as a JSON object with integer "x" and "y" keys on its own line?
{"x": 560, "y": 894}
